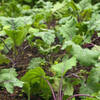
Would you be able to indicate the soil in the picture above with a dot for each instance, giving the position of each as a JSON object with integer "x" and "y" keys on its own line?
{"x": 23, "y": 63}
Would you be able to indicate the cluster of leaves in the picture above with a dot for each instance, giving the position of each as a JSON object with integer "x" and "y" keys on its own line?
{"x": 76, "y": 23}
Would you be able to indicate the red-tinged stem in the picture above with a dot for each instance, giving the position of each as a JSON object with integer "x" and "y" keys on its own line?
{"x": 26, "y": 47}
{"x": 5, "y": 44}
{"x": 61, "y": 88}
{"x": 13, "y": 66}
{"x": 74, "y": 75}
{"x": 19, "y": 52}
{"x": 10, "y": 59}
{"x": 50, "y": 88}
{"x": 5, "y": 81}
{"x": 64, "y": 91}
{"x": 12, "y": 63}
{"x": 94, "y": 46}
{"x": 95, "y": 39}
{"x": 77, "y": 95}
{"x": 61, "y": 82}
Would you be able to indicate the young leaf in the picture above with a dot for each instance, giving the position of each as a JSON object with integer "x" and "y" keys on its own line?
{"x": 73, "y": 5}
{"x": 26, "y": 88}
{"x": 77, "y": 39}
{"x": 68, "y": 64}
{"x": 6, "y": 75}
{"x": 35, "y": 77}
{"x": 8, "y": 42}
{"x": 85, "y": 4}
{"x": 69, "y": 30}
{"x": 48, "y": 37}
{"x": 60, "y": 9}
{"x": 3, "y": 59}
{"x": 94, "y": 23}
{"x": 96, "y": 95}
{"x": 16, "y": 22}
{"x": 50, "y": 49}
{"x": 86, "y": 14}
{"x": 35, "y": 62}
{"x": 92, "y": 84}
{"x": 87, "y": 57}
{"x": 17, "y": 36}
{"x": 33, "y": 30}
{"x": 69, "y": 89}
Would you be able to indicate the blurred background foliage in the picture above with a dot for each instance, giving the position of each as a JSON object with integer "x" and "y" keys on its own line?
{"x": 33, "y": 2}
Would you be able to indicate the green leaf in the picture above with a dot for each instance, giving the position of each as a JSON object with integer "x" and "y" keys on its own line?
{"x": 1, "y": 47}
{"x": 97, "y": 64}
{"x": 69, "y": 30}
{"x": 82, "y": 26}
{"x": 48, "y": 37}
{"x": 28, "y": 1}
{"x": 85, "y": 4}
{"x": 60, "y": 9}
{"x": 69, "y": 90}
{"x": 73, "y": 5}
{"x": 7, "y": 75}
{"x": 2, "y": 33}
{"x": 26, "y": 88}
{"x": 40, "y": 43}
{"x": 8, "y": 42}
{"x": 88, "y": 57}
{"x": 37, "y": 20}
{"x": 3, "y": 59}
{"x": 63, "y": 20}
{"x": 68, "y": 64}
{"x": 94, "y": 23}
{"x": 77, "y": 39}
{"x": 16, "y": 22}
{"x": 25, "y": 7}
{"x": 35, "y": 77}
{"x": 98, "y": 34}
{"x": 33, "y": 30}
{"x": 50, "y": 49}
{"x": 35, "y": 62}
{"x": 86, "y": 14}
{"x": 96, "y": 48}
{"x": 92, "y": 84}
{"x": 67, "y": 44}
{"x": 17, "y": 36}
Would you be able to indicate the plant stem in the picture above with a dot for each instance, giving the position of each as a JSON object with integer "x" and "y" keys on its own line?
{"x": 12, "y": 63}
{"x": 61, "y": 87}
{"x": 5, "y": 81}
{"x": 72, "y": 74}
{"x": 77, "y": 95}
{"x": 5, "y": 44}
{"x": 95, "y": 47}
{"x": 19, "y": 52}
{"x": 15, "y": 49}
{"x": 64, "y": 91}
{"x": 26, "y": 46}
{"x": 50, "y": 88}
{"x": 95, "y": 39}
{"x": 10, "y": 59}
{"x": 61, "y": 82}
{"x": 2, "y": 3}
{"x": 13, "y": 66}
